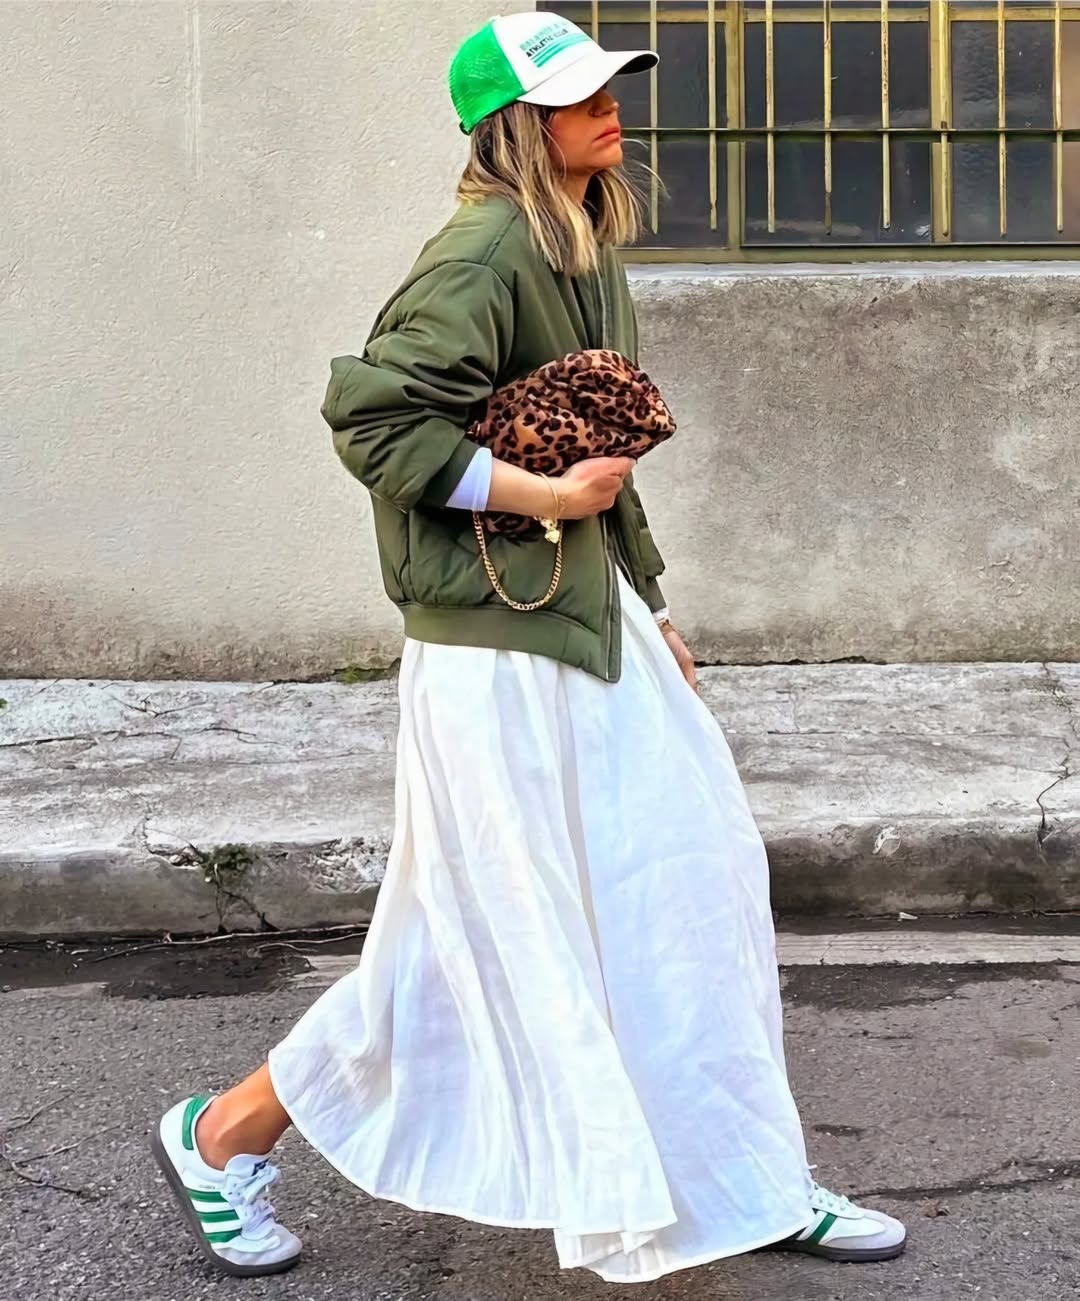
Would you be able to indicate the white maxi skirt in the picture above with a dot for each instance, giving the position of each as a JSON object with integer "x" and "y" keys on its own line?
{"x": 567, "y": 1013}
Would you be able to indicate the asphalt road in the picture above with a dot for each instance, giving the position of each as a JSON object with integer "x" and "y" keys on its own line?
{"x": 946, "y": 1095}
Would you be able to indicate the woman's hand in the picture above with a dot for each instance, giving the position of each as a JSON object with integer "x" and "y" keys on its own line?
{"x": 682, "y": 655}
{"x": 590, "y": 487}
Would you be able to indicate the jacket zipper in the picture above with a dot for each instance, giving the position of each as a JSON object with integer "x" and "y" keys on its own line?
{"x": 613, "y": 598}
{"x": 609, "y": 560}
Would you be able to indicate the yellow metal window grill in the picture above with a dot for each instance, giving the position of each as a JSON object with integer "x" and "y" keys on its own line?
{"x": 777, "y": 130}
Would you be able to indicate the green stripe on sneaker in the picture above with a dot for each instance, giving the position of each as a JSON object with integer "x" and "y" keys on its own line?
{"x": 826, "y": 1224}
{"x": 197, "y": 1196}
{"x": 191, "y": 1112}
{"x": 223, "y": 1237}
{"x": 217, "y": 1217}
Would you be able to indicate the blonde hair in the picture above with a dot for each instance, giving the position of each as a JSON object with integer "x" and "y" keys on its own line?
{"x": 512, "y": 156}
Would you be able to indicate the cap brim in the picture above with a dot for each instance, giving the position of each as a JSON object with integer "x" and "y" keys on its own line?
{"x": 583, "y": 79}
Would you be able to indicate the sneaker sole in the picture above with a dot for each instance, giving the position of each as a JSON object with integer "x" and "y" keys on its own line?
{"x": 841, "y": 1255}
{"x": 176, "y": 1184}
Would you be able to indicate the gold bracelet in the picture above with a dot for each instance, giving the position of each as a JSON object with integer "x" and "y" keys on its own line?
{"x": 552, "y": 531}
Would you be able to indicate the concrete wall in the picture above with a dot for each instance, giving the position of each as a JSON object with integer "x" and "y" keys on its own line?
{"x": 879, "y": 462}
{"x": 200, "y": 204}
{"x": 203, "y": 202}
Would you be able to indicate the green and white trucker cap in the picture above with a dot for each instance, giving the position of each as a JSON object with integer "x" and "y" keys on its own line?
{"x": 539, "y": 58}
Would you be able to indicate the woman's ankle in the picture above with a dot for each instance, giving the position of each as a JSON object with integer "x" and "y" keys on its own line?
{"x": 248, "y": 1120}
{"x": 211, "y": 1137}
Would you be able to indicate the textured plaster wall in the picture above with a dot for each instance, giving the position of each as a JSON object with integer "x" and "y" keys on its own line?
{"x": 202, "y": 203}
{"x": 878, "y": 462}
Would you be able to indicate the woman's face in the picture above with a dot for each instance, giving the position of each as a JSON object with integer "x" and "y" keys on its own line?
{"x": 587, "y": 137}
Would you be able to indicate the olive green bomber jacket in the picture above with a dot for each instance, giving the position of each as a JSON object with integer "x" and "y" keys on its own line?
{"x": 481, "y": 308}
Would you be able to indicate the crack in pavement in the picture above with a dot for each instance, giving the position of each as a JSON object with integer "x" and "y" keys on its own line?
{"x": 181, "y": 739}
{"x": 1055, "y": 688}
{"x": 92, "y": 739}
{"x": 143, "y": 706}
{"x": 46, "y": 740}
{"x": 1060, "y": 696}
{"x": 223, "y": 911}
{"x": 248, "y": 738}
{"x": 225, "y": 897}
{"x": 1044, "y": 831}
{"x": 1062, "y": 1172}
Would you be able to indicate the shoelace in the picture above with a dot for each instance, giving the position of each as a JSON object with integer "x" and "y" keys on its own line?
{"x": 248, "y": 1198}
{"x": 822, "y": 1200}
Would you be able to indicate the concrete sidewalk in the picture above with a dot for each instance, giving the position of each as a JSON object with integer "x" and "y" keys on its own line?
{"x": 143, "y": 807}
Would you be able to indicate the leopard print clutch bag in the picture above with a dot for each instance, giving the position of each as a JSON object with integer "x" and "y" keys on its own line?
{"x": 589, "y": 404}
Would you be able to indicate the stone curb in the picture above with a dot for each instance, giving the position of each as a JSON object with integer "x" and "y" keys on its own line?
{"x": 134, "y": 808}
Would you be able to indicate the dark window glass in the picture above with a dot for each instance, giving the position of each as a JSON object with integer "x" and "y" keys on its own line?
{"x": 798, "y": 63}
{"x": 684, "y": 220}
{"x": 974, "y": 75}
{"x": 1030, "y": 168}
{"x": 683, "y": 75}
{"x": 975, "y": 192}
{"x": 682, "y": 110}
{"x": 1029, "y": 74}
{"x": 857, "y": 200}
{"x": 1070, "y": 76}
{"x": 1031, "y": 199}
{"x": 1031, "y": 196}
{"x": 856, "y": 74}
{"x": 909, "y": 74}
{"x": 684, "y": 217}
{"x": 800, "y": 192}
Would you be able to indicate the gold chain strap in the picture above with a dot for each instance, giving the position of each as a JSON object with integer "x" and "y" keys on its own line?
{"x": 493, "y": 577}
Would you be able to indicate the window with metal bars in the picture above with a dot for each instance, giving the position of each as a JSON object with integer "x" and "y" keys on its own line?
{"x": 840, "y": 129}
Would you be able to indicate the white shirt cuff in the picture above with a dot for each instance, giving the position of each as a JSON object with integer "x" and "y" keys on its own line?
{"x": 474, "y": 486}
{"x": 662, "y": 616}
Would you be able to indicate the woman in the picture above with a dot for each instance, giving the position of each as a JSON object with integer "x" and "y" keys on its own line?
{"x": 567, "y": 1013}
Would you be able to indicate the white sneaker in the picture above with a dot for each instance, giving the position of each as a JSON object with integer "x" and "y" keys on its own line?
{"x": 227, "y": 1210}
{"x": 846, "y": 1233}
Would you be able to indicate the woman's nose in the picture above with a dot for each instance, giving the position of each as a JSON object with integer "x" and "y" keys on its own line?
{"x": 605, "y": 102}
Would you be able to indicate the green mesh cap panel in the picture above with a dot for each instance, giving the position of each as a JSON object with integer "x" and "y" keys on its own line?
{"x": 482, "y": 79}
